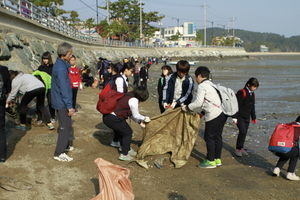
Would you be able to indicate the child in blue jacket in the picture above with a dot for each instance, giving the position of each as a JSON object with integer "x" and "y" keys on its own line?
{"x": 179, "y": 87}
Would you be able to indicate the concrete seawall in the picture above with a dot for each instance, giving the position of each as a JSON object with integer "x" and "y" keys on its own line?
{"x": 23, "y": 41}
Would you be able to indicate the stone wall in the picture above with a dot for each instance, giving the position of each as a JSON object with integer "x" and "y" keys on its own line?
{"x": 23, "y": 41}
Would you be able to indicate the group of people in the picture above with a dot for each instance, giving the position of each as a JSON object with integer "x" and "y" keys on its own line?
{"x": 175, "y": 90}
{"x": 60, "y": 83}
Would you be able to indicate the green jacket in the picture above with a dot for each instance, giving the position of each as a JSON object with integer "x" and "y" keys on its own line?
{"x": 45, "y": 77}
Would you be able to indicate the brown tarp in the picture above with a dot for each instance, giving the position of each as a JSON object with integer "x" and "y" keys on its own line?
{"x": 173, "y": 131}
{"x": 113, "y": 182}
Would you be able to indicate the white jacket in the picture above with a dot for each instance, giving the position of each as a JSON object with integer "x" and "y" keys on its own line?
{"x": 206, "y": 99}
{"x": 23, "y": 83}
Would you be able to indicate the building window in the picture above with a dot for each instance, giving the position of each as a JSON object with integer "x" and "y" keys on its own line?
{"x": 172, "y": 31}
{"x": 190, "y": 28}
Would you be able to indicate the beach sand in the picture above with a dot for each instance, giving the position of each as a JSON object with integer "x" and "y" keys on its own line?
{"x": 31, "y": 153}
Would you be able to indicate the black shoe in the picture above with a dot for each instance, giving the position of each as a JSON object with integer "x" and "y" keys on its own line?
{"x": 2, "y": 160}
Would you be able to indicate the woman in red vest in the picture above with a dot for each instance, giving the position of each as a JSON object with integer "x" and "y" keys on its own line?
{"x": 126, "y": 107}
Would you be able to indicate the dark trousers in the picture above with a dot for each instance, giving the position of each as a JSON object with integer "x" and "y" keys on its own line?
{"x": 160, "y": 104}
{"x": 213, "y": 137}
{"x": 64, "y": 131}
{"x": 144, "y": 83}
{"x": 40, "y": 98}
{"x": 74, "y": 96}
{"x": 105, "y": 79}
{"x": 3, "y": 145}
{"x": 136, "y": 79}
{"x": 243, "y": 125}
{"x": 121, "y": 130}
{"x": 52, "y": 110}
{"x": 292, "y": 155}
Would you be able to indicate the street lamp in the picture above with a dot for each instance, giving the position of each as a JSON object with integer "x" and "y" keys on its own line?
{"x": 160, "y": 24}
{"x": 141, "y": 34}
{"x": 212, "y": 25}
{"x": 223, "y": 27}
{"x": 177, "y": 21}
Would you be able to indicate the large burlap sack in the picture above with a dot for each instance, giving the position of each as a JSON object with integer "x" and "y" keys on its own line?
{"x": 113, "y": 182}
{"x": 173, "y": 131}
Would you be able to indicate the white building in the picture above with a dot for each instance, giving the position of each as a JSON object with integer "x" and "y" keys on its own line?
{"x": 187, "y": 35}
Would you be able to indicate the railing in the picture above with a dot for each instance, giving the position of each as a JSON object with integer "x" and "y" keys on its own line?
{"x": 32, "y": 12}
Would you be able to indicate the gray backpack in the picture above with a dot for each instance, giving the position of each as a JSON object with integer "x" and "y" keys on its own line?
{"x": 229, "y": 103}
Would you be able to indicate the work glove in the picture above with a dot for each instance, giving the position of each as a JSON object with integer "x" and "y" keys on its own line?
{"x": 254, "y": 121}
{"x": 147, "y": 119}
{"x": 173, "y": 104}
{"x": 165, "y": 105}
{"x": 234, "y": 121}
{"x": 143, "y": 125}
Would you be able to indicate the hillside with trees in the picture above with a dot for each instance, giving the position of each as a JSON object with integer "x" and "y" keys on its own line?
{"x": 253, "y": 40}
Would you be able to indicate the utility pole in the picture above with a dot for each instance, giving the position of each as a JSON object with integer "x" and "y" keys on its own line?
{"x": 204, "y": 7}
{"x": 141, "y": 23}
{"x": 107, "y": 11}
{"x": 97, "y": 15}
{"x": 233, "y": 19}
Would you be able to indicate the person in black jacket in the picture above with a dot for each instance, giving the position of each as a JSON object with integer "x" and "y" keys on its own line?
{"x": 166, "y": 71}
{"x": 46, "y": 66}
{"x": 6, "y": 87}
{"x": 87, "y": 78}
{"x": 246, "y": 101}
{"x": 144, "y": 77}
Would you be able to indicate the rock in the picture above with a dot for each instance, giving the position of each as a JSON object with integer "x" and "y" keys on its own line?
{"x": 4, "y": 51}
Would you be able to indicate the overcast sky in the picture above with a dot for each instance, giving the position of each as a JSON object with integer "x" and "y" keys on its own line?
{"x": 271, "y": 16}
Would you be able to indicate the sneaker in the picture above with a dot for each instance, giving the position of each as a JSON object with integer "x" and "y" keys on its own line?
{"x": 218, "y": 162}
{"x": 131, "y": 151}
{"x": 63, "y": 157}
{"x": 39, "y": 122}
{"x": 244, "y": 152}
{"x": 2, "y": 160}
{"x": 21, "y": 127}
{"x": 207, "y": 164}
{"x": 115, "y": 144}
{"x": 53, "y": 121}
{"x": 276, "y": 171}
{"x": 292, "y": 176}
{"x": 125, "y": 157}
{"x": 241, "y": 152}
{"x": 50, "y": 126}
{"x": 70, "y": 148}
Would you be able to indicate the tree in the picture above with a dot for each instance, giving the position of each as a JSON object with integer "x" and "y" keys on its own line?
{"x": 175, "y": 37}
{"x": 89, "y": 23}
{"x": 127, "y": 14}
{"x": 74, "y": 17}
{"x": 51, "y": 6}
{"x": 199, "y": 37}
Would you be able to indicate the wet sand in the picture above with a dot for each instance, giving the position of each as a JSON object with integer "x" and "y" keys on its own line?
{"x": 277, "y": 100}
